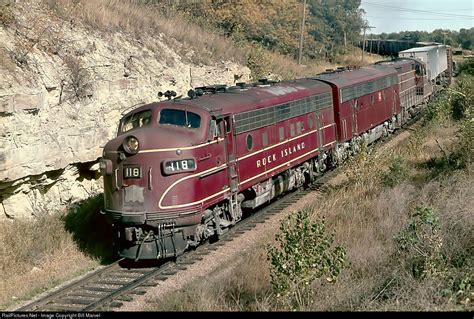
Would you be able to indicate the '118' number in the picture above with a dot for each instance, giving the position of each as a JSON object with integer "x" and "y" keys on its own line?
{"x": 177, "y": 166}
{"x": 133, "y": 172}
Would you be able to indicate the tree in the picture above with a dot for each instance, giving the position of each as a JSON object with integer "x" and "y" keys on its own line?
{"x": 466, "y": 38}
{"x": 335, "y": 23}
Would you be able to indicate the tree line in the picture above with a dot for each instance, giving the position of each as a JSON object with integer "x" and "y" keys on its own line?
{"x": 463, "y": 38}
{"x": 330, "y": 25}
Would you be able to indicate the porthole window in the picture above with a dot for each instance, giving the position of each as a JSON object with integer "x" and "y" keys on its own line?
{"x": 249, "y": 141}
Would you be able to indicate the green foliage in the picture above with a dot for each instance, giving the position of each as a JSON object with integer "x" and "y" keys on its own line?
{"x": 462, "y": 108}
{"x": 462, "y": 96}
{"x": 467, "y": 67}
{"x": 276, "y": 25}
{"x": 458, "y": 287}
{"x": 306, "y": 252}
{"x": 466, "y": 140}
{"x": 420, "y": 242}
{"x": 93, "y": 234}
{"x": 398, "y": 171}
{"x": 259, "y": 63}
{"x": 334, "y": 24}
{"x": 464, "y": 38}
{"x": 425, "y": 249}
{"x": 438, "y": 110}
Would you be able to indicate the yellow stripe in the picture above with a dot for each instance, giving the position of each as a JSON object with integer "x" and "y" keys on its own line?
{"x": 180, "y": 148}
{"x": 185, "y": 178}
{"x": 197, "y": 202}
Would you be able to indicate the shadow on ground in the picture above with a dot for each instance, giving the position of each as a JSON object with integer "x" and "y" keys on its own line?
{"x": 93, "y": 234}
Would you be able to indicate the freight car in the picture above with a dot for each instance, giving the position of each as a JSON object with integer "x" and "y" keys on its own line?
{"x": 183, "y": 170}
{"x": 438, "y": 60}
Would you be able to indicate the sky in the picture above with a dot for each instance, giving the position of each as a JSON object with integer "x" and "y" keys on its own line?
{"x": 418, "y": 15}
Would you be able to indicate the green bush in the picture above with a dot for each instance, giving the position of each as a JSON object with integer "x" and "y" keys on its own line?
{"x": 439, "y": 110}
{"x": 258, "y": 63}
{"x": 463, "y": 109}
{"x": 420, "y": 242}
{"x": 467, "y": 67}
{"x": 462, "y": 97}
{"x": 305, "y": 253}
{"x": 398, "y": 171}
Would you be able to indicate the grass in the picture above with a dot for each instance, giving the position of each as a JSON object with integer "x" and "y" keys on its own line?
{"x": 192, "y": 42}
{"x": 36, "y": 255}
{"x": 145, "y": 20}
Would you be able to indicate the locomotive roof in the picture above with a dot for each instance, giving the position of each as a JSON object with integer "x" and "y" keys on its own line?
{"x": 250, "y": 98}
{"x": 347, "y": 78}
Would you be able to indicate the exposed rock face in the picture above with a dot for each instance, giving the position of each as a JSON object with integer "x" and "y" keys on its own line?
{"x": 62, "y": 91}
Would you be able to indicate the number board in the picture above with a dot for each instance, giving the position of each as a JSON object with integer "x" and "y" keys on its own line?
{"x": 132, "y": 171}
{"x": 179, "y": 166}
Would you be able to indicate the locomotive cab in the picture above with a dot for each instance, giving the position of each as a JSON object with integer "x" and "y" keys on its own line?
{"x": 152, "y": 185}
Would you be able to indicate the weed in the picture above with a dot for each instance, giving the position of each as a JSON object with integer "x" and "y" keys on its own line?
{"x": 259, "y": 63}
{"x": 306, "y": 252}
{"x": 79, "y": 78}
{"x": 36, "y": 254}
{"x": 421, "y": 242}
{"x": 397, "y": 172}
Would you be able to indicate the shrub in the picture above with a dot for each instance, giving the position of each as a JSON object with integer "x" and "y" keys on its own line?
{"x": 79, "y": 78}
{"x": 462, "y": 97}
{"x": 306, "y": 252}
{"x": 420, "y": 242}
{"x": 438, "y": 110}
{"x": 397, "y": 172}
{"x": 259, "y": 63}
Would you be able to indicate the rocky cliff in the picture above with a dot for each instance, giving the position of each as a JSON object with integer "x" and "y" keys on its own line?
{"x": 63, "y": 88}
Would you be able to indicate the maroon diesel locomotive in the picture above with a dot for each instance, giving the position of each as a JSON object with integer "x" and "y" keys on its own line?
{"x": 183, "y": 170}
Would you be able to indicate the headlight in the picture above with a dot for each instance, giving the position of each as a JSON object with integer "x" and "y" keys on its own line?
{"x": 130, "y": 145}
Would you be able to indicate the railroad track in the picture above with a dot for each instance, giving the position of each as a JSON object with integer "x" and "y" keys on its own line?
{"x": 107, "y": 288}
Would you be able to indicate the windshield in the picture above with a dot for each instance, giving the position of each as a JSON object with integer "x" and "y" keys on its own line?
{"x": 180, "y": 118}
{"x": 136, "y": 120}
